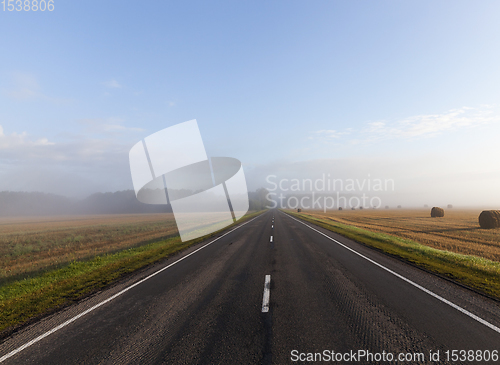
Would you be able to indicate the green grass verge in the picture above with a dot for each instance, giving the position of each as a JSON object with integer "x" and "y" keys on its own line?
{"x": 44, "y": 292}
{"x": 475, "y": 272}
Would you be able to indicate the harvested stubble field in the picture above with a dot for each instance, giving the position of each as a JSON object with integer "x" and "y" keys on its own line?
{"x": 28, "y": 245}
{"x": 458, "y": 231}
{"x": 453, "y": 246}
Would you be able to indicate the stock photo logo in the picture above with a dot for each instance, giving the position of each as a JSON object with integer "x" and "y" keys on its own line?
{"x": 171, "y": 167}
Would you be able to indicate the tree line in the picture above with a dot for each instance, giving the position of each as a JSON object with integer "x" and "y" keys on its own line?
{"x": 119, "y": 202}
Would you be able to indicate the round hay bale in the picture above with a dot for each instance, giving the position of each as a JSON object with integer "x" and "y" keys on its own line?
{"x": 340, "y": 208}
{"x": 299, "y": 210}
{"x": 489, "y": 219}
{"x": 353, "y": 208}
{"x": 361, "y": 207}
{"x": 399, "y": 206}
{"x": 386, "y": 207}
{"x": 450, "y": 206}
{"x": 437, "y": 212}
{"x": 426, "y": 206}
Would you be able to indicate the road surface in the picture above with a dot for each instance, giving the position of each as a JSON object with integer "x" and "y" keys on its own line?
{"x": 269, "y": 292}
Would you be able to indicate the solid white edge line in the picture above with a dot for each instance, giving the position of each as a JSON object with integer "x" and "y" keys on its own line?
{"x": 446, "y": 301}
{"x": 64, "y": 324}
{"x": 267, "y": 293}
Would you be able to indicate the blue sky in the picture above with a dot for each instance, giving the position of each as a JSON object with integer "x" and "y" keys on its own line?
{"x": 344, "y": 87}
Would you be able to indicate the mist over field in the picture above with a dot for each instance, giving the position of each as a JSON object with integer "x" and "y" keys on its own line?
{"x": 413, "y": 182}
{"x": 416, "y": 181}
{"x": 15, "y": 204}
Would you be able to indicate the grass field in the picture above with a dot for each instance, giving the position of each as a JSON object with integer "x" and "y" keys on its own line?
{"x": 458, "y": 231}
{"x": 28, "y": 245}
{"x": 453, "y": 246}
{"x": 48, "y": 263}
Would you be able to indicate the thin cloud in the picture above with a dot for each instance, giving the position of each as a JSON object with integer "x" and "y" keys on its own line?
{"x": 22, "y": 87}
{"x": 20, "y": 140}
{"x": 331, "y": 133}
{"x": 111, "y": 125}
{"x": 100, "y": 140}
{"x": 112, "y": 84}
{"x": 77, "y": 167}
{"x": 25, "y": 87}
{"x": 433, "y": 124}
{"x": 419, "y": 126}
{"x": 82, "y": 152}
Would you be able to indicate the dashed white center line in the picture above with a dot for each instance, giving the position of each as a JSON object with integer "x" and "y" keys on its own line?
{"x": 271, "y": 239}
{"x": 272, "y": 225}
{"x": 267, "y": 293}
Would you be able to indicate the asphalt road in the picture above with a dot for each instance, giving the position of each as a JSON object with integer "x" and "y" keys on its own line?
{"x": 208, "y": 308}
